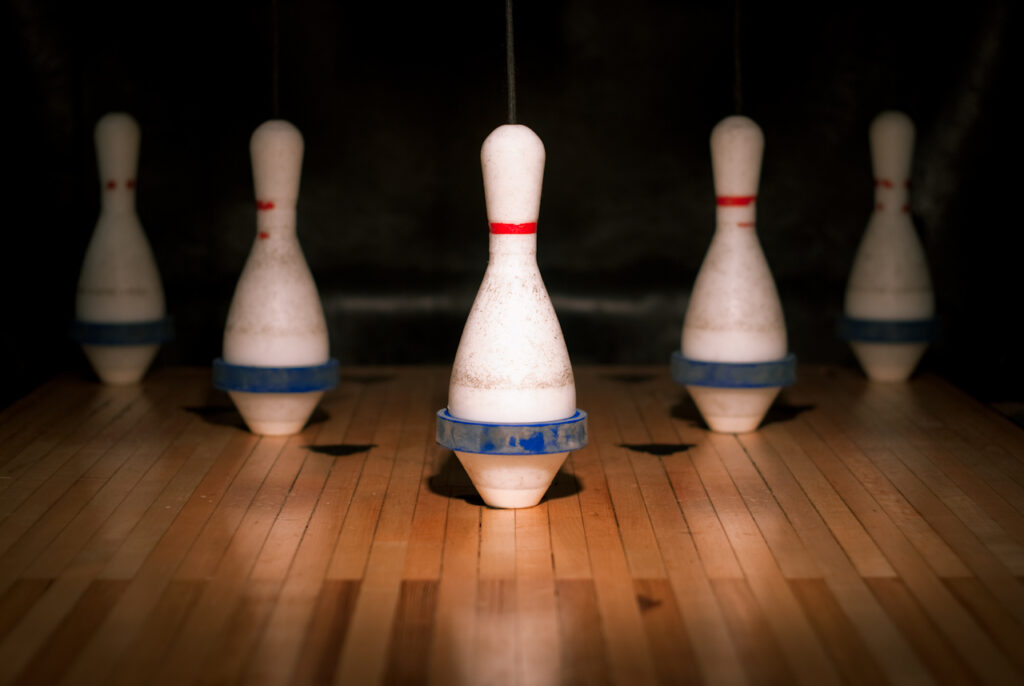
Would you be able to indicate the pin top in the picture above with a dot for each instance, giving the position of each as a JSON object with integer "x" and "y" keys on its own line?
{"x": 513, "y": 163}
{"x": 737, "y": 145}
{"x": 117, "y": 137}
{"x": 276, "y": 149}
{"x": 892, "y": 148}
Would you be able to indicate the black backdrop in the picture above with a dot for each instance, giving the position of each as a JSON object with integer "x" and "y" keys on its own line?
{"x": 394, "y": 100}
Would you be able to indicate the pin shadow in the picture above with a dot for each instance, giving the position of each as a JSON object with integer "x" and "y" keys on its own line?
{"x": 340, "y": 449}
{"x": 629, "y": 378}
{"x": 452, "y": 481}
{"x": 657, "y": 449}
{"x": 366, "y": 379}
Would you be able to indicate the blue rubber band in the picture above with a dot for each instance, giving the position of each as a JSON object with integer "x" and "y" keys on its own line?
{"x": 734, "y": 374}
{"x": 122, "y": 333}
{"x": 535, "y": 438}
{"x": 886, "y": 331}
{"x": 236, "y": 377}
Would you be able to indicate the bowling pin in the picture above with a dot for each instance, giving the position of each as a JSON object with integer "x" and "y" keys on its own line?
{"x": 511, "y": 415}
{"x": 119, "y": 305}
{"x": 276, "y": 362}
{"x": 734, "y": 348}
{"x": 889, "y": 303}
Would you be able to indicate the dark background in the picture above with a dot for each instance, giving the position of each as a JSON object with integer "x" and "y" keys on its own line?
{"x": 394, "y": 100}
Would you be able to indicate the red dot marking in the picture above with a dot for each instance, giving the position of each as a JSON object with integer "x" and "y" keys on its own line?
{"x": 735, "y": 200}
{"x": 528, "y": 227}
{"x": 264, "y": 234}
{"x": 905, "y": 208}
{"x": 884, "y": 183}
{"x": 745, "y": 225}
{"x": 111, "y": 185}
{"x": 130, "y": 183}
{"x": 879, "y": 206}
{"x": 264, "y": 204}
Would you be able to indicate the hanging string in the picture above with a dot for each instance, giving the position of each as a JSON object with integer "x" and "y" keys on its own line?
{"x": 275, "y": 59}
{"x": 510, "y": 63}
{"x": 737, "y": 83}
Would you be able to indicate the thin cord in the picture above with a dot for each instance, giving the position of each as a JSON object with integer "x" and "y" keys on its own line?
{"x": 275, "y": 67}
{"x": 737, "y": 84}
{"x": 510, "y": 63}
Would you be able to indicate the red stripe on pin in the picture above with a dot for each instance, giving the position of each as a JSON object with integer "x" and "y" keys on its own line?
{"x": 264, "y": 205}
{"x": 884, "y": 183}
{"x": 745, "y": 225}
{"x": 111, "y": 184}
{"x": 264, "y": 234}
{"x": 735, "y": 200}
{"x": 529, "y": 227}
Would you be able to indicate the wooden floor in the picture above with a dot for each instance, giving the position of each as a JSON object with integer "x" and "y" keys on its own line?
{"x": 866, "y": 534}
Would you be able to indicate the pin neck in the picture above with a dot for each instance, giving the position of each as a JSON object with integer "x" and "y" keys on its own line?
{"x": 736, "y": 212}
{"x": 505, "y": 247}
{"x": 892, "y": 196}
{"x": 117, "y": 197}
{"x": 274, "y": 219}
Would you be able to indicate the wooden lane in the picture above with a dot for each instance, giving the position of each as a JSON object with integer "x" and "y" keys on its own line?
{"x": 865, "y": 534}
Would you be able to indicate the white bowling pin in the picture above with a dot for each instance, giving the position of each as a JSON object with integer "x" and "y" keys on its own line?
{"x": 889, "y": 280}
{"x": 512, "y": 365}
{"x": 276, "y": 318}
{"x": 734, "y": 314}
{"x": 119, "y": 282}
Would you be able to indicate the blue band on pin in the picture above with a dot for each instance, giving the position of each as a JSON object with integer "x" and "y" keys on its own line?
{"x": 122, "y": 333}
{"x": 733, "y": 374}
{"x": 886, "y": 331}
{"x": 236, "y": 377}
{"x": 535, "y": 438}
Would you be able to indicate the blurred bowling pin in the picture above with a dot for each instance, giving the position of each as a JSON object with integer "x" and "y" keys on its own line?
{"x": 889, "y": 301}
{"x": 275, "y": 327}
{"x": 734, "y": 320}
{"x": 119, "y": 305}
{"x": 512, "y": 368}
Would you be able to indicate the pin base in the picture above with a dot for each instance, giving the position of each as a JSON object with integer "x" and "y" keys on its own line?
{"x": 275, "y": 414}
{"x": 120, "y": 365}
{"x": 888, "y": 361}
{"x": 733, "y": 397}
{"x": 275, "y": 401}
{"x": 733, "y": 410}
{"x": 511, "y": 465}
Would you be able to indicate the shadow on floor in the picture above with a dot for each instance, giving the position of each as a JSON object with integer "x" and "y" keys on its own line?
{"x": 629, "y": 378}
{"x": 340, "y": 449}
{"x": 657, "y": 449}
{"x": 780, "y": 411}
{"x": 453, "y": 482}
{"x": 366, "y": 379}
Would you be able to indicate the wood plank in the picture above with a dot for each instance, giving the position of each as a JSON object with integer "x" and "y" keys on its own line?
{"x": 412, "y": 633}
{"x": 759, "y": 649}
{"x": 791, "y": 627}
{"x": 328, "y": 628}
{"x": 273, "y": 659}
{"x": 537, "y": 660}
{"x": 21, "y": 596}
{"x": 799, "y": 486}
{"x": 455, "y": 628}
{"x": 49, "y": 663}
{"x": 674, "y": 657}
{"x": 582, "y": 656}
{"x": 946, "y": 666}
{"x": 842, "y": 639}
